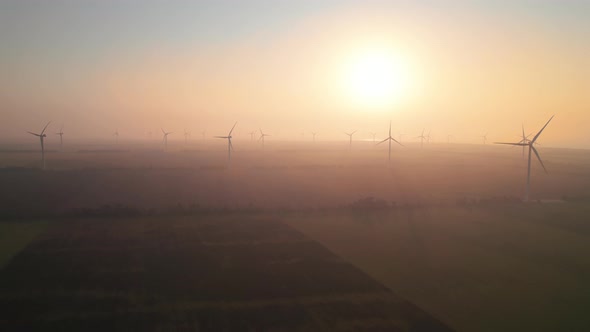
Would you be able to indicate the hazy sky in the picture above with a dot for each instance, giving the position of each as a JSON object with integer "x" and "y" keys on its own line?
{"x": 469, "y": 67}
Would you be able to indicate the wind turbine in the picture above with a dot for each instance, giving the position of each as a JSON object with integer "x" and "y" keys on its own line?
{"x": 41, "y": 138}
{"x": 428, "y": 137}
{"x": 61, "y": 137}
{"x": 116, "y": 134}
{"x": 531, "y": 145}
{"x": 389, "y": 138}
{"x": 373, "y": 134}
{"x": 165, "y": 138}
{"x": 422, "y": 138}
{"x": 485, "y": 138}
{"x": 262, "y": 136}
{"x": 313, "y": 133}
{"x": 187, "y": 135}
{"x": 350, "y": 139}
{"x": 229, "y": 145}
{"x": 252, "y": 135}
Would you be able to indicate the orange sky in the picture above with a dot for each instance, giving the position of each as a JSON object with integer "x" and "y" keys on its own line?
{"x": 471, "y": 72}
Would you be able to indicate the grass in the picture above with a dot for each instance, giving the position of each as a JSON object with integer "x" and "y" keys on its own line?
{"x": 14, "y": 236}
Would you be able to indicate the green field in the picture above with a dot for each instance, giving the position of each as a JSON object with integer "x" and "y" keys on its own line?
{"x": 508, "y": 268}
{"x": 14, "y": 236}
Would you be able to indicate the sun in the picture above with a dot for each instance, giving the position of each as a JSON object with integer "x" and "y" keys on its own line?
{"x": 376, "y": 78}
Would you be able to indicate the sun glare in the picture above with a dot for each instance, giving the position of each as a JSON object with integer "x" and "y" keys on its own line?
{"x": 376, "y": 79}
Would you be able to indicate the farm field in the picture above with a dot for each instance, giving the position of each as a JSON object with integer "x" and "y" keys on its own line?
{"x": 219, "y": 273}
{"x": 497, "y": 268}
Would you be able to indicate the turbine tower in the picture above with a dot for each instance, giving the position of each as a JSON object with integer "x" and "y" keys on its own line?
{"x": 389, "y": 138}
{"x": 165, "y": 138}
{"x": 262, "y": 136}
{"x": 229, "y": 145}
{"x": 61, "y": 137}
{"x": 531, "y": 145}
{"x": 422, "y": 138}
{"x": 350, "y": 139}
{"x": 41, "y": 138}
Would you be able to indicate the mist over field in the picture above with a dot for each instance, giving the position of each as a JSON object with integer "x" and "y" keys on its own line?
{"x": 310, "y": 165}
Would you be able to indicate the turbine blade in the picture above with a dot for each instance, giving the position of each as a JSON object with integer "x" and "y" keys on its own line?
{"x": 538, "y": 157}
{"x": 523, "y": 134}
{"x": 220, "y": 136}
{"x": 163, "y": 131}
{"x": 517, "y": 144}
{"x": 232, "y": 129}
{"x": 42, "y": 132}
{"x": 393, "y": 139}
{"x": 385, "y": 140}
{"x": 389, "y": 128}
{"x": 33, "y": 133}
{"x": 540, "y": 131}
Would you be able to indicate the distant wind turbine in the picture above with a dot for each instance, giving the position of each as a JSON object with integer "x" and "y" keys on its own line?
{"x": 262, "y": 136}
{"x": 373, "y": 135}
{"x": 42, "y": 138}
{"x": 389, "y": 138}
{"x": 428, "y": 137}
{"x": 187, "y": 135}
{"x": 350, "y": 139}
{"x": 230, "y": 147}
{"x": 531, "y": 145}
{"x": 116, "y": 134}
{"x": 165, "y": 138}
{"x": 422, "y": 138}
{"x": 485, "y": 138}
{"x": 252, "y": 133}
{"x": 61, "y": 137}
{"x": 313, "y": 133}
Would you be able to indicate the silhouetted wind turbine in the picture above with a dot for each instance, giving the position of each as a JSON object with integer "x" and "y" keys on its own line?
{"x": 313, "y": 133}
{"x": 165, "y": 138}
{"x": 41, "y": 138}
{"x": 61, "y": 137}
{"x": 252, "y": 135}
{"x": 262, "y": 136}
{"x": 373, "y": 134}
{"x": 422, "y": 138}
{"x": 187, "y": 135}
{"x": 116, "y": 134}
{"x": 485, "y": 138}
{"x": 428, "y": 137}
{"x": 229, "y": 145}
{"x": 531, "y": 145}
{"x": 350, "y": 139}
{"x": 389, "y": 138}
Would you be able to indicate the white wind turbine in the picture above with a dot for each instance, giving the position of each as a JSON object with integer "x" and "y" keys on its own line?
{"x": 165, "y": 138}
{"x": 42, "y": 138}
{"x": 61, "y": 137}
{"x": 389, "y": 138}
{"x": 262, "y": 136}
{"x": 350, "y": 139}
{"x": 531, "y": 145}
{"x": 229, "y": 145}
